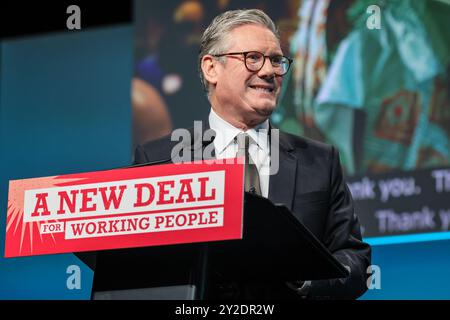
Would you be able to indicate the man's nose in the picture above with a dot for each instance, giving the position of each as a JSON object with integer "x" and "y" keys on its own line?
{"x": 267, "y": 70}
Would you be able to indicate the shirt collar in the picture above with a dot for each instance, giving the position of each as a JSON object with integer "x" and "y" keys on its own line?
{"x": 225, "y": 132}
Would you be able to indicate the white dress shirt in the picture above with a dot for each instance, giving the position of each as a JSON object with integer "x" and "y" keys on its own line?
{"x": 259, "y": 149}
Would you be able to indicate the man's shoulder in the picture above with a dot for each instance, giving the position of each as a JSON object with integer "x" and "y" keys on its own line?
{"x": 162, "y": 142}
{"x": 160, "y": 149}
{"x": 155, "y": 150}
{"x": 304, "y": 144}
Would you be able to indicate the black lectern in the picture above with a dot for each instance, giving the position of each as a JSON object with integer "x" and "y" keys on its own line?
{"x": 275, "y": 248}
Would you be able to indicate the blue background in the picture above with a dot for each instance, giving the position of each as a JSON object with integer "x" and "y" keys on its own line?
{"x": 65, "y": 108}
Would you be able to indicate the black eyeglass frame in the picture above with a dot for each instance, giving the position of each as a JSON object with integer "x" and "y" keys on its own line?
{"x": 245, "y": 53}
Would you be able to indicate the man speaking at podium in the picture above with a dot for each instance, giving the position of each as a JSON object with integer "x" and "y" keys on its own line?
{"x": 241, "y": 66}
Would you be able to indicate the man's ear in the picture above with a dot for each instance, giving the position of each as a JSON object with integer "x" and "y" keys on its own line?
{"x": 209, "y": 67}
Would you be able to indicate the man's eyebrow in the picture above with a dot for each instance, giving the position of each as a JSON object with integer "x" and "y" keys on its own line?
{"x": 270, "y": 53}
{"x": 275, "y": 54}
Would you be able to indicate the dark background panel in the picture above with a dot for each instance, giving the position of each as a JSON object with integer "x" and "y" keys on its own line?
{"x": 22, "y": 18}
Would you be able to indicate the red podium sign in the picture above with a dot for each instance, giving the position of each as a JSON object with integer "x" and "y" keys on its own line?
{"x": 124, "y": 208}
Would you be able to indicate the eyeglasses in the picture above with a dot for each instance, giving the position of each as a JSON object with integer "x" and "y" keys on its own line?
{"x": 254, "y": 61}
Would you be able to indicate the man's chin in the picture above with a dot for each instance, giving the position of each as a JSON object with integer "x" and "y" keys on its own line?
{"x": 265, "y": 111}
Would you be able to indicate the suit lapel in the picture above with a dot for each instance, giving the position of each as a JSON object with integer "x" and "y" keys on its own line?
{"x": 282, "y": 185}
{"x": 198, "y": 145}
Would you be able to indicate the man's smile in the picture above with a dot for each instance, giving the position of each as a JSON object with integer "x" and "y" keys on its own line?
{"x": 263, "y": 87}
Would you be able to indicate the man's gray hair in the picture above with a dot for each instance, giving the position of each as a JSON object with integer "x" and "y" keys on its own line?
{"x": 213, "y": 39}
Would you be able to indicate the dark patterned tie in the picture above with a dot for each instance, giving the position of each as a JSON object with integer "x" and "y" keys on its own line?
{"x": 252, "y": 183}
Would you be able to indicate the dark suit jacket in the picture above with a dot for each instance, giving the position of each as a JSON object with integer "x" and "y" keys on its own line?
{"x": 310, "y": 183}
